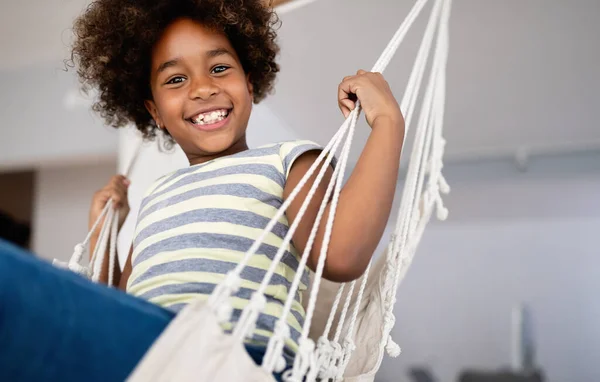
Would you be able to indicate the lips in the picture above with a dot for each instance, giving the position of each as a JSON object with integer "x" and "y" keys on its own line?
{"x": 210, "y": 119}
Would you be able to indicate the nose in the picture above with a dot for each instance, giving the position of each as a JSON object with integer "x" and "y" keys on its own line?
{"x": 204, "y": 88}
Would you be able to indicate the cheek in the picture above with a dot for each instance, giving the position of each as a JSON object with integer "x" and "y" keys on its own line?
{"x": 237, "y": 87}
{"x": 170, "y": 107}
{"x": 243, "y": 96}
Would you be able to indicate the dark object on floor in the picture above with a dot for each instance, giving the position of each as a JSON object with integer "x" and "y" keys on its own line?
{"x": 500, "y": 376}
{"x": 421, "y": 374}
{"x": 13, "y": 231}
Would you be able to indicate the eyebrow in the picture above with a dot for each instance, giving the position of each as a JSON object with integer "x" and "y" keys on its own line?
{"x": 217, "y": 52}
{"x": 167, "y": 64}
{"x": 210, "y": 54}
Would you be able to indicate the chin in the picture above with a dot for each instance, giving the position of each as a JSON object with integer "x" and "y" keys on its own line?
{"x": 216, "y": 143}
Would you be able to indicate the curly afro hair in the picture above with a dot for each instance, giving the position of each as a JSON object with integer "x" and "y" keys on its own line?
{"x": 114, "y": 40}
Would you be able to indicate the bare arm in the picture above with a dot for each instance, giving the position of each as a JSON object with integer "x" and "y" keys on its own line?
{"x": 126, "y": 272}
{"x": 365, "y": 200}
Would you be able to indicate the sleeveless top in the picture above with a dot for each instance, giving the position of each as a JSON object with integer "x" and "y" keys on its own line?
{"x": 196, "y": 224}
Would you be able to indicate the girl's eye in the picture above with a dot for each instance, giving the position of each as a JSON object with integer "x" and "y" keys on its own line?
{"x": 219, "y": 69}
{"x": 175, "y": 80}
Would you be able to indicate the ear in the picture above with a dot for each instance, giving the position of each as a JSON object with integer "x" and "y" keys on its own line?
{"x": 151, "y": 107}
{"x": 250, "y": 86}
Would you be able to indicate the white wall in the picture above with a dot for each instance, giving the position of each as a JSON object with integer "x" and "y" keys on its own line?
{"x": 511, "y": 237}
{"x": 61, "y": 207}
{"x": 43, "y": 125}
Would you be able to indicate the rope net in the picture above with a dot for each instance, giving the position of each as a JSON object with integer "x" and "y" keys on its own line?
{"x": 328, "y": 357}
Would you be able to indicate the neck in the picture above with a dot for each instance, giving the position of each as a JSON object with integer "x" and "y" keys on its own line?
{"x": 239, "y": 146}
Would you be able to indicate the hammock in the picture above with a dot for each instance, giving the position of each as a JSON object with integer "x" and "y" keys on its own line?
{"x": 344, "y": 342}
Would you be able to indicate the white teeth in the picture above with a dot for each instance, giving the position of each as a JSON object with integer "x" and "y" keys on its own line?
{"x": 211, "y": 117}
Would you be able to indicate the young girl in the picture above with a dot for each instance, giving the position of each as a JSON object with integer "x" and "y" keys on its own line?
{"x": 192, "y": 69}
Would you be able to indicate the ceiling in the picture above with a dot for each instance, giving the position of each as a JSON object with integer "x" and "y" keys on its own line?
{"x": 522, "y": 74}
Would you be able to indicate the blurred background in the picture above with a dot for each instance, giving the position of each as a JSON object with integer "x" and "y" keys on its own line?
{"x": 523, "y": 161}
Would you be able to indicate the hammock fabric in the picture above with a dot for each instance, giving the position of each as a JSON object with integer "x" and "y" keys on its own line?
{"x": 347, "y": 341}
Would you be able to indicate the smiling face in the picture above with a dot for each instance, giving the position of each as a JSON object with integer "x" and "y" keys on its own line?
{"x": 200, "y": 91}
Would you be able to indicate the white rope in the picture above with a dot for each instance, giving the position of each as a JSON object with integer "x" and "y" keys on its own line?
{"x": 101, "y": 244}
{"x": 134, "y": 159}
{"x": 334, "y": 309}
{"x": 394, "y": 44}
{"x": 409, "y": 196}
{"x": 338, "y": 331}
{"x": 411, "y": 94}
{"x": 400, "y": 250}
{"x": 436, "y": 183}
{"x": 100, "y": 234}
{"x": 94, "y": 269}
{"x": 349, "y": 346}
{"x": 408, "y": 103}
{"x": 326, "y": 355}
{"x": 276, "y": 342}
{"x": 414, "y": 84}
{"x": 112, "y": 257}
{"x": 298, "y": 372}
{"x": 251, "y": 311}
{"x": 225, "y": 289}
{"x": 412, "y": 91}
{"x": 331, "y": 369}
{"x": 325, "y": 348}
{"x": 218, "y": 300}
{"x": 74, "y": 263}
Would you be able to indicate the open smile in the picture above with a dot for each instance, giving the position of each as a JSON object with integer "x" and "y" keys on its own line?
{"x": 210, "y": 120}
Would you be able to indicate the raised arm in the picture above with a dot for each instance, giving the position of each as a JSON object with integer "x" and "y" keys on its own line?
{"x": 366, "y": 199}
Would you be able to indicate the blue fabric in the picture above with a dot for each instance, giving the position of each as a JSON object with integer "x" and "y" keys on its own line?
{"x": 58, "y": 326}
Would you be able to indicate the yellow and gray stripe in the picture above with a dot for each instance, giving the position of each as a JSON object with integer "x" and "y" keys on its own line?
{"x": 196, "y": 224}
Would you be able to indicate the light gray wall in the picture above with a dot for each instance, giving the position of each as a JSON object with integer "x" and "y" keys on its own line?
{"x": 61, "y": 207}
{"x": 520, "y": 73}
{"x": 38, "y": 127}
{"x": 511, "y": 237}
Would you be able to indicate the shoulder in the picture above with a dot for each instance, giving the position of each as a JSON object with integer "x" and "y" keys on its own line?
{"x": 159, "y": 185}
{"x": 290, "y": 151}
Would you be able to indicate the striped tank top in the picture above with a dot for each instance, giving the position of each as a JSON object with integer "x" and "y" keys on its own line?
{"x": 196, "y": 224}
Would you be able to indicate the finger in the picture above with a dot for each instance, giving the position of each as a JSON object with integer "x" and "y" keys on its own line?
{"x": 101, "y": 197}
{"x": 118, "y": 194}
{"x": 115, "y": 196}
{"x": 361, "y": 72}
{"x": 119, "y": 200}
{"x": 347, "y": 94}
{"x": 126, "y": 182}
{"x": 347, "y": 89}
{"x": 345, "y": 110}
{"x": 347, "y": 106}
{"x": 119, "y": 179}
{"x": 117, "y": 190}
{"x": 345, "y": 103}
